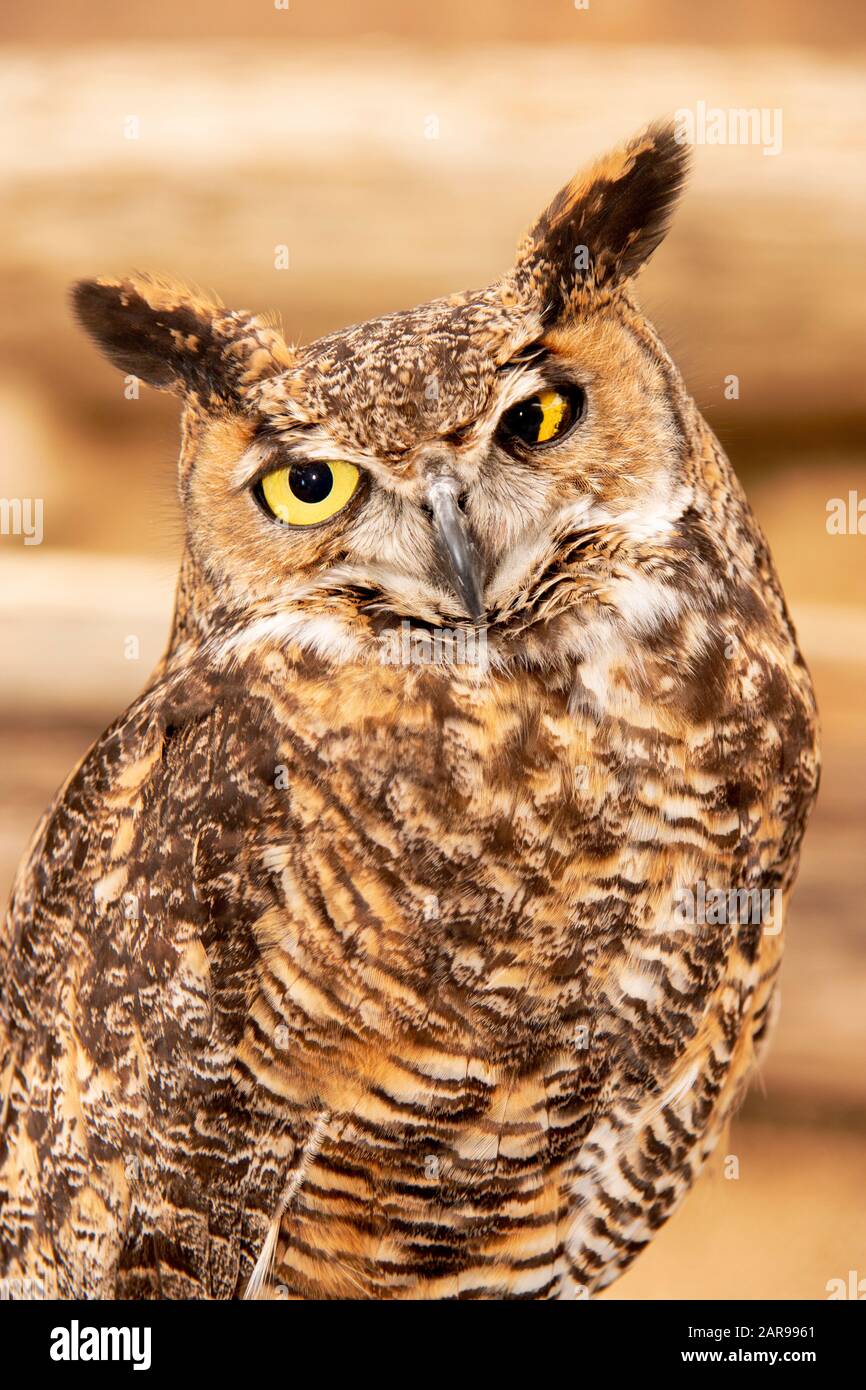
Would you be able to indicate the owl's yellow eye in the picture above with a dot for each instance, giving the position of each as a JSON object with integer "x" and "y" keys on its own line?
{"x": 541, "y": 418}
{"x": 306, "y": 493}
{"x": 553, "y": 407}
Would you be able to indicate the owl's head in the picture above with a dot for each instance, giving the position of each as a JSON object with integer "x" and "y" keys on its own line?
{"x": 521, "y": 457}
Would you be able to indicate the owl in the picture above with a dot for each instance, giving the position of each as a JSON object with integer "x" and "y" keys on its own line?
{"x": 414, "y": 934}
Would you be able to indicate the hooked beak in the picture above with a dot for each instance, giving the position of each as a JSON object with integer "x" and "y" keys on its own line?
{"x": 455, "y": 544}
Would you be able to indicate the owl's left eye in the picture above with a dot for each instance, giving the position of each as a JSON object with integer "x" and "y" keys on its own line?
{"x": 306, "y": 493}
{"x": 541, "y": 419}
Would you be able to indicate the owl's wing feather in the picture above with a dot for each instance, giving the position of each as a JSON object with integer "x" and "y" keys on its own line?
{"x": 129, "y": 957}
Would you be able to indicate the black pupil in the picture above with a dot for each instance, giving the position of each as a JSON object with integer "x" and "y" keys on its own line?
{"x": 525, "y": 420}
{"x": 311, "y": 482}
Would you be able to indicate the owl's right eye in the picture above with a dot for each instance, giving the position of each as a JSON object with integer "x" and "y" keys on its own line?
{"x": 306, "y": 493}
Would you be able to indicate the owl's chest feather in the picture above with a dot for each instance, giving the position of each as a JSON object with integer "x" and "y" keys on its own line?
{"x": 464, "y": 879}
{"x": 444, "y": 851}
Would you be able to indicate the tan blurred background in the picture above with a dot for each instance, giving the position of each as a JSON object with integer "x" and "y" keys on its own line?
{"x": 310, "y": 128}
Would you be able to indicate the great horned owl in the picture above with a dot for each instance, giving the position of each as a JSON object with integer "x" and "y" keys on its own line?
{"x": 408, "y": 937}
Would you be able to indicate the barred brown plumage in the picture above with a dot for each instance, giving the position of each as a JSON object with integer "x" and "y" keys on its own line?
{"x": 334, "y": 976}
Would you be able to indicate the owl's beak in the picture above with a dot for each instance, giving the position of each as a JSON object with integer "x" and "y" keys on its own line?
{"x": 455, "y": 544}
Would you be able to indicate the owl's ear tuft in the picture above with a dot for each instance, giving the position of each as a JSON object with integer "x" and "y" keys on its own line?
{"x": 176, "y": 338}
{"x": 601, "y": 228}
